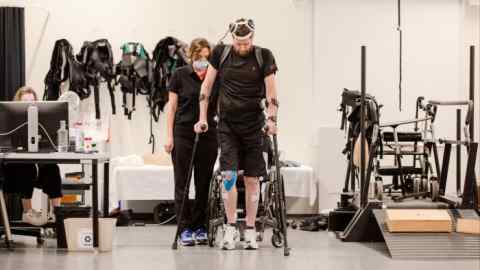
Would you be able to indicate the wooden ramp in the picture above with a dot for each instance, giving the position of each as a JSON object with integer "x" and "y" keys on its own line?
{"x": 433, "y": 245}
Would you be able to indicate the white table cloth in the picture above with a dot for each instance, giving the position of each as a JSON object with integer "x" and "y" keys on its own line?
{"x": 300, "y": 182}
{"x": 153, "y": 182}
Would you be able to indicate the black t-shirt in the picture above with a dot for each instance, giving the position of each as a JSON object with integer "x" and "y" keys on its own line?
{"x": 186, "y": 84}
{"x": 241, "y": 85}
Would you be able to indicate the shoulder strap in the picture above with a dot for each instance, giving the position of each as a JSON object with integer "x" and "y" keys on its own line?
{"x": 228, "y": 48}
{"x": 225, "y": 53}
{"x": 259, "y": 56}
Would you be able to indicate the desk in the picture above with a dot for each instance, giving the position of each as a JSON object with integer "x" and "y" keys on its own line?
{"x": 72, "y": 158}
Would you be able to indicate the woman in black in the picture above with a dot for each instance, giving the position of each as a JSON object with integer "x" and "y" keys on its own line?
{"x": 182, "y": 114}
{"x": 22, "y": 178}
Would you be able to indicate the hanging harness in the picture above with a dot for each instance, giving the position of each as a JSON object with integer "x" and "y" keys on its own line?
{"x": 134, "y": 73}
{"x": 64, "y": 67}
{"x": 351, "y": 115}
{"x": 97, "y": 60}
{"x": 169, "y": 54}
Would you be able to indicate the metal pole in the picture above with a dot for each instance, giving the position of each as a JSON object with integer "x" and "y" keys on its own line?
{"x": 106, "y": 188}
{"x": 472, "y": 89}
{"x": 95, "y": 203}
{"x": 400, "y": 47}
{"x": 5, "y": 221}
{"x": 362, "y": 129}
{"x": 458, "y": 151}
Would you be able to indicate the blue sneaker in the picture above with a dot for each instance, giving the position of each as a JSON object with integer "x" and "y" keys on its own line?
{"x": 201, "y": 237}
{"x": 186, "y": 238}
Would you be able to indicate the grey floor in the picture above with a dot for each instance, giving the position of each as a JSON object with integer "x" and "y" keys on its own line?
{"x": 139, "y": 248}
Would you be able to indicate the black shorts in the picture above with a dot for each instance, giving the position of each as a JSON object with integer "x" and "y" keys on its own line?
{"x": 21, "y": 178}
{"x": 241, "y": 148}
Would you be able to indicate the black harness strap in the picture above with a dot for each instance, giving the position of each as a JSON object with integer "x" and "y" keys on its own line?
{"x": 96, "y": 95}
{"x": 124, "y": 98}
{"x": 111, "y": 91}
{"x": 225, "y": 53}
{"x": 134, "y": 95}
{"x": 134, "y": 83}
{"x": 152, "y": 136}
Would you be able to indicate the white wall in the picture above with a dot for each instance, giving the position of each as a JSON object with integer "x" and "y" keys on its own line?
{"x": 431, "y": 53}
{"x": 148, "y": 22}
{"x": 317, "y": 46}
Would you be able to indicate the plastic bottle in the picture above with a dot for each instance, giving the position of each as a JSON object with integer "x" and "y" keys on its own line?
{"x": 62, "y": 138}
{"x": 79, "y": 137}
{"x": 72, "y": 138}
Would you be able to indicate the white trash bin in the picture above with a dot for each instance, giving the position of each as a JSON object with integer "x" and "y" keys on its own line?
{"x": 79, "y": 234}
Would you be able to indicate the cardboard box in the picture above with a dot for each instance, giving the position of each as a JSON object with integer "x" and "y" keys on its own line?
{"x": 418, "y": 220}
{"x": 471, "y": 226}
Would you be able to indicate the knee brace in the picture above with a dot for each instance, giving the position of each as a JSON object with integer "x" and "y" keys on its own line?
{"x": 229, "y": 179}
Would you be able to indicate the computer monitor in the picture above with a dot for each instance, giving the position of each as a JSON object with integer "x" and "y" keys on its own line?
{"x": 14, "y": 114}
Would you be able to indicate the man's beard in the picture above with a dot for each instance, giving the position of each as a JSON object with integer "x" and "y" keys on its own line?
{"x": 243, "y": 53}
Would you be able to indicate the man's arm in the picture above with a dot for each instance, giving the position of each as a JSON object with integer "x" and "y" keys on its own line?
{"x": 205, "y": 91}
{"x": 272, "y": 101}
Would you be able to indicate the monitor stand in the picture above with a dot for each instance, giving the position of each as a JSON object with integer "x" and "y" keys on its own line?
{"x": 32, "y": 118}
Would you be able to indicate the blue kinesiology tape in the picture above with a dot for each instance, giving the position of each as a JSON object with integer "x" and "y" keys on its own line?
{"x": 229, "y": 180}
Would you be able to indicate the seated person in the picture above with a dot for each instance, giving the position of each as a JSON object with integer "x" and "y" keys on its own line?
{"x": 22, "y": 178}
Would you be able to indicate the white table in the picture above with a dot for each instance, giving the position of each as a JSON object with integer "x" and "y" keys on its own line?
{"x": 93, "y": 159}
{"x": 300, "y": 182}
{"x": 154, "y": 182}
{"x": 147, "y": 182}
